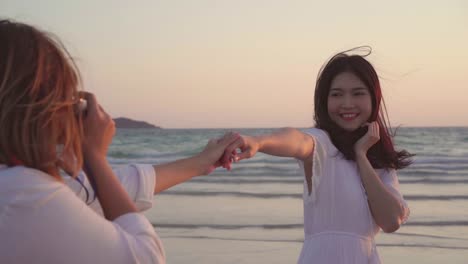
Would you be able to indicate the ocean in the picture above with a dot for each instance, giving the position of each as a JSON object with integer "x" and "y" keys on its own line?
{"x": 253, "y": 213}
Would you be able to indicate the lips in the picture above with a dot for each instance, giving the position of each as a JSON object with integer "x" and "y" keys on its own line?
{"x": 348, "y": 116}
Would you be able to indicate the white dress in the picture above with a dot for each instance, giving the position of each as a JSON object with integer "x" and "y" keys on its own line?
{"x": 44, "y": 221}
{"x": 338, "y": 224}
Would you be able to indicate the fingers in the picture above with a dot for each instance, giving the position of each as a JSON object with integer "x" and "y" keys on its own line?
{"x": 231, "y": 142}
{"x": 234, "y": 157}
{"x": 375, "y": 128}
{"x": 91, "y": 101}
{"x": 243, "y": 155}
{"x": 93, "y": 108}
{"x": 231, "y": 148}
{"x": 219, "y": 145}
{"x": 92, "y": 104}
{"x": 99, "y": 127}
{"x": 374, "y": 131}
{"x": 228, "y": 138}
{"x": 371, "y": 137}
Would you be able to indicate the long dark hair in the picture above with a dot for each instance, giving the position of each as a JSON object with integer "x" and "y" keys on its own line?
{"x": 382, "y": 154}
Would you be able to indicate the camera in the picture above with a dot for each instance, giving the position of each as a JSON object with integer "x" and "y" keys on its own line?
{"x": 82, "y": 105}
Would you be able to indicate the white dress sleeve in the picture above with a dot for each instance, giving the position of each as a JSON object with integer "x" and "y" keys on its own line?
{"x": 390, "y": 179}
{"x": 73, "y": 233}
{"x": 322, "y": 151}
{"x": 139, "y": 180}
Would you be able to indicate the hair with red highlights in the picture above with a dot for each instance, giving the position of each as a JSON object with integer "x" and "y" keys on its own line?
{"x": 39, "y": 127}
{"x": 383, "y": 153}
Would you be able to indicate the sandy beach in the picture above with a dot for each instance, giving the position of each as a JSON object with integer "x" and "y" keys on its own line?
{"x": 249, "y": 247}
{"x": 232, "y": 237}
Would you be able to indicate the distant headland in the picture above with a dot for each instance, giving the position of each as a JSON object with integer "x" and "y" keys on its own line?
{"x": 123, "y": 122}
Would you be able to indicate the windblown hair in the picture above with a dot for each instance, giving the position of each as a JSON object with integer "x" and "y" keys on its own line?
{"x": 39, "y": 125}
{"x": 383, "y": 153}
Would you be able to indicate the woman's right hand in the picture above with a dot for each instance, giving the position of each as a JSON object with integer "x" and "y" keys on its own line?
{"x": 99, "y": 129}
{"x": 247, "y": 145}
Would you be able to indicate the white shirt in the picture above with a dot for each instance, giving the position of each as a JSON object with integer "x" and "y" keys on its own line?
{"x": 45, "y": 221}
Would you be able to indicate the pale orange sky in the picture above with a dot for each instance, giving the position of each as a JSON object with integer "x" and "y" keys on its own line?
{"x": 184, "y": 64}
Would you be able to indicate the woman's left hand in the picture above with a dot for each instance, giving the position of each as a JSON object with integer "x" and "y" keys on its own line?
{"x": 210, "y": 157}
{"x": 368, "y": 140}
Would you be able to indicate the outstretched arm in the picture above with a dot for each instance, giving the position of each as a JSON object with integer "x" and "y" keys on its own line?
{"x": 285, "y": 142}
{"x": 173, "y": 173}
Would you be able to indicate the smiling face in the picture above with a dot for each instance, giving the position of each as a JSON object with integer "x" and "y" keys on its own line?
{"x": 349, "y": 101}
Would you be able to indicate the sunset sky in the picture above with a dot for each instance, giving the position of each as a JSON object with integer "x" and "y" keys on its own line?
{"x": 248, "y": 63}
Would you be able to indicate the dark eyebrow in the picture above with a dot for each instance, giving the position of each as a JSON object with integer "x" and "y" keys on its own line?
{"x": 355, "y": 89}
{"x": 336, "y": 89}
{"x": 359, "y": 89}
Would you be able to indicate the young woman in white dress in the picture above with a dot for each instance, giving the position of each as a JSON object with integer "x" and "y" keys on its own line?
{"x": 351, "y": 189}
